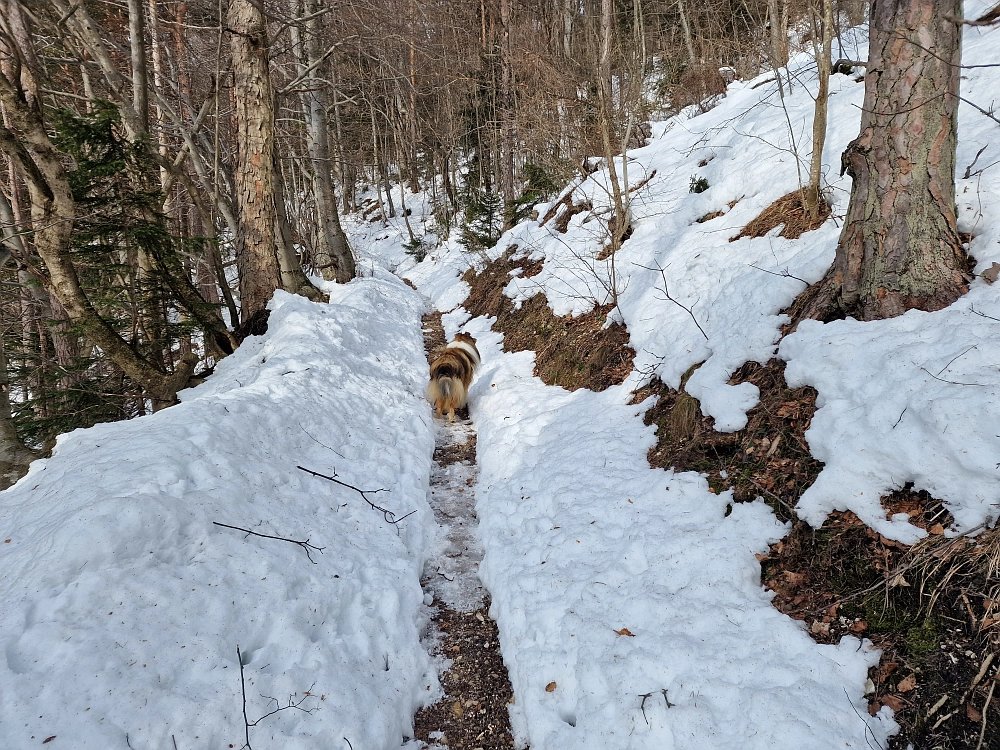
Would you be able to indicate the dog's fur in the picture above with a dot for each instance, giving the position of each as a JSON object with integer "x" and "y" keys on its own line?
{"x": 451, "y": 375}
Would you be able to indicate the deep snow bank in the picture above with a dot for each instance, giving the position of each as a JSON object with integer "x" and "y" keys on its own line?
{"x": 123, "y": 604}
{"x": 612, "y": 581}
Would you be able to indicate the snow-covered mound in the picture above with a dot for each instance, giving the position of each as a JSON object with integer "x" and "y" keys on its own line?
{"x": 628, "y": 599}
{"x": 123, "y": 604}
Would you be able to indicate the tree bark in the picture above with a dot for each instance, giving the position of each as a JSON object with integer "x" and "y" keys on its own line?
{"x": 256, "y": 241}
{"x": 334, "y": 258}
{"x": 265, "y": 257}
{"x": 900, "y": 249}
{"x": 687, "y": 32}
{"x": 779, "y": 33}
{"x": 14, "y": 456}
{"x": 823, "y": 28}
{"x": 507, "y": 105}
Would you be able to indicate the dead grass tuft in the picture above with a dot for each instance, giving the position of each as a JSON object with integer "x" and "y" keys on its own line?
{"x": 569, "y": 352}
{"x": 787, "y": 210}
{"x": 931, "y": 609}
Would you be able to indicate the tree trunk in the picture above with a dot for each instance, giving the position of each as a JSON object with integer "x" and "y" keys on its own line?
{"x": 293, "y": 278}
{"x": 507, "y": 104}
{"x": 14, "y": 456}
{"x": 607, "y": 123}
{"x": 140, "y": 78}
{"x": 333, "y": 254}
{"x": 779, "y": 34}
{"x": 822, "y": 28}
{"x": 900, "y": 249}
{"x": 687, "y": 32}
{"x": 256, "y": 242}
{"x": 53, "y": 212}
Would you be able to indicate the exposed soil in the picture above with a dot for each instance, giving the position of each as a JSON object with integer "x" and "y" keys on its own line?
{"x": 927, "y": 607}
{"x": 570, "y": 352}
{"x": 769, "y": 457}
{"x": 787, "y": 210}
{"x": 473, "y": 713}
{"x": 933, "y": 608}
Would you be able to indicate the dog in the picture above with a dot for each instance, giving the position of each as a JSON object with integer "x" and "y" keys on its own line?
{"x": 451, "y": 374}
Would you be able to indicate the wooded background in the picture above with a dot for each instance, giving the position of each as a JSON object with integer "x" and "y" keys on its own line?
{"x": 168, "y": 164}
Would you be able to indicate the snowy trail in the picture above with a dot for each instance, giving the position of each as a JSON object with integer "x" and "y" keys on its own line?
{"x": 628, "y": 598}
{"x": 451, "y": 574}
{"x": 474, "y": 710}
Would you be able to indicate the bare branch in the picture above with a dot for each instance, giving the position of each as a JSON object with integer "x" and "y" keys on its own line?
{"x": 389, "y": 516}
{"x": 304, "y": 545}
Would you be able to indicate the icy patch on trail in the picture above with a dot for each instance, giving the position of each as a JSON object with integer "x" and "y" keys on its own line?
{"x": 452, "y": 572}
{"x": 123, "y": 604}
{"x": 612, "y": 581}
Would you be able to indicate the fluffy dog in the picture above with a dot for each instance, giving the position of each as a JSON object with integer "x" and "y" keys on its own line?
{"x": 451, "y": 375}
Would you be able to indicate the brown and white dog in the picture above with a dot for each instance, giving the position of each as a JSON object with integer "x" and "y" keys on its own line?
{"x": 451, "y": 375}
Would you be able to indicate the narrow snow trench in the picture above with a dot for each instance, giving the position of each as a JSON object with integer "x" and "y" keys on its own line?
{"x": 473, "y": 714}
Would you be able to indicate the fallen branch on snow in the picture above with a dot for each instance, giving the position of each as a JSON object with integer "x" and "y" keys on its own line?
{"x": 291, "y": 704}
{"x": 304, "y": 545}
{"x": 389, "y": 516}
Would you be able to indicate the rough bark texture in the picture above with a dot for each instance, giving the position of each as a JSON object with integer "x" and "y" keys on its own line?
{"x": 333, "y": 254}
{"x": 900, "y": 249}
{"x": 257, "y": 241}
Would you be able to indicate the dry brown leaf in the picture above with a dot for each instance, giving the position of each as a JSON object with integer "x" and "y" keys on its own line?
{"x": 820, "y": 628}
{"x": 456, "y": 708}
{"x": 859, "y": 627}
{"x": 894, "y": 702}
{"x": 973, "y": 713}
{"x": 550, "y": 687}
{"x": 992, "y": 273}
{"x": 887, "y": 669}
{"x": 937, "y": 529}
{"x": 625, "y": 631}
{"x": 907, "y": 684}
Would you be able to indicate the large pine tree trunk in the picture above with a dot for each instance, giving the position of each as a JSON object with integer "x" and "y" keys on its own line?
{"x": 256, "y": 242}
{"x": 900, "y": 249}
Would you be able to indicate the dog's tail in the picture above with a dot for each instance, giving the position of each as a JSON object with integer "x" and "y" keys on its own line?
{"x": 447, "y": 393}
{"x": 445, "y": 386}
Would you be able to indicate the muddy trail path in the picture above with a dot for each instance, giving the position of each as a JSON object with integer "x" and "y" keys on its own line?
{"x": 473, "y": 714}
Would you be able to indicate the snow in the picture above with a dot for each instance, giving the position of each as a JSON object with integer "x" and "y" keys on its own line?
{"x": 584, "y": 543}
{"x": 124, "y": 604}
{"x": 583, "y": 540}
{"x": 690, "y": 295}
{"x": 628, "y": 599}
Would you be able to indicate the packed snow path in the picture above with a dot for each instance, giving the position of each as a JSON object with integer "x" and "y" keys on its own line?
{"x": 474, "y": 710}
